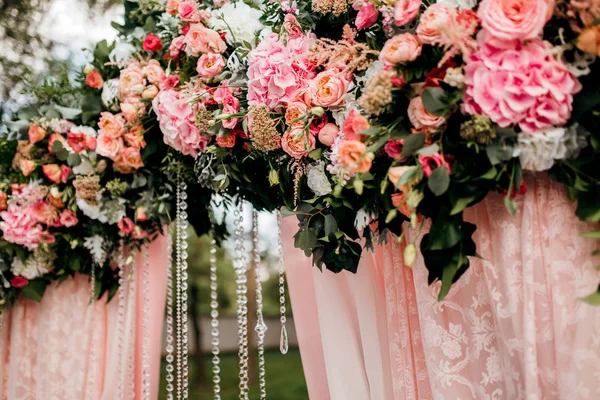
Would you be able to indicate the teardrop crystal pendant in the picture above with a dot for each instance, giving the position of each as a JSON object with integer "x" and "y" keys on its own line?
{"x": 283, "y": 341}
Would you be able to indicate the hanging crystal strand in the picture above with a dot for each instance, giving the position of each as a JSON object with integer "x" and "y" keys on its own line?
{"x": 214, "y": 314}
{"x": 261, "y": 327}
{"x": 178, "y": 348}
{"x": 131, "y": 303}
{"x": 93, "y": 284}
{"x": 242, "y": 301}
{"x": 91, "y": 383}
{"x": 170, "y": 341}
{"x": 283, "y": 341}
{"x": 182, "y": 296}
{"x": 121, "y": 321}
{"x": 146, "y": 326}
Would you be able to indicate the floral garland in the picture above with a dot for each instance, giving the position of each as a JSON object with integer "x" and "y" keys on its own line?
{"x": 361, "y": 116}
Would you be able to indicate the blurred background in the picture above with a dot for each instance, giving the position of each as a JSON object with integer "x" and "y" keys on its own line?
{"x": 48, "y": 39}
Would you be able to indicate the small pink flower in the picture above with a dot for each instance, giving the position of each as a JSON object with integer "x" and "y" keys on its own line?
{"x": 367, "y": 14}
{"x": 297, "y": 143}
{"x": 393, "y": 148}
{"x": 126, "y": 226}
{"x": 421, "y": 118}
{"x": 65, "y": 171}
{"x": 177, "y": 46}
{"x": 430, "y": 163}
{"x": 77, "y": 141}
{"x": 400, "y": 49}
{"x": 354, "y": 124}
{"x": 328, "y": 133}
{"x": 19, "y": 282}
{"x": 405, "y": 11}
{"x": 169, "y": 82}
{"x": 188, "y": 10}
{"x": 209, "y": 65}
{"x": 68, "y": 218}
{"x": 152, "y": 43}
{"x": 231, "y": 105}
{"x": 292, "y": 26}
{"x": 513, "y": 19}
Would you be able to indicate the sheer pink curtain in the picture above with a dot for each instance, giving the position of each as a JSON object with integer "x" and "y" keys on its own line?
{"x": 64, "y": 348}
{"x": 512, "y": 328}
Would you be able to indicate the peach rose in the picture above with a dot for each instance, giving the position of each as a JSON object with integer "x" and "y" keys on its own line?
{"x": 132, "y": 157}
{"x": 172, "y": 7}
{"x": 589, "y": 40}
{"x": 354, "y": 124}
{"x": 154, "y": 72}
{"x": 52, "y": 172}
{"x": 203, "y": 40}
{"x": 209, "y": 65}
{"x": 3, "y": 201}
{"x": 513, "y": 19}
{"x": 328, "y": 133}
{"x": 437, "y": 17}
{"x": 94, "y": 80}
{"x": 135, "y": 138}
{"x": 130, "y": 112}
{"x": 108, "y": 146}
{"x": 401, "y": 49}
{"x": 112, "y": 125}
{"x": 328, "y": 89}
{"x": 150, "y": 92}
{"x": 396, "y": 173}
{"x": 294, "y": 111}
{"x": 421, "y": 118}
{"x": 131, "y": 81}
{"x": 297, "y": 143}
{"x": 353, "y": 155}
{"x": 405, "y": 11}
{"x": 36, "y": 133}
{"x": 26, "y": 166}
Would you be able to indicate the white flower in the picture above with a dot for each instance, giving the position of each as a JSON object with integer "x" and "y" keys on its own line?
{"x": 85, "y": 167}
{"x": 363, "y": 219}
{"x": 86, "y": 130}
{"x": 369, "y": 73}
{"x": 539, "y": 151}
{"x": 460, "y": 4}
{"x": 239, "y": 20}
{"x": 121, "y": 52}
{"x": 110, "y": 94}
{"x": 168, "y": 22}
{"x": 94, "y": 245}
{"x": 92, "y": 211}
{"x": 31, "y": 269}
{"x": 317, "y": 180}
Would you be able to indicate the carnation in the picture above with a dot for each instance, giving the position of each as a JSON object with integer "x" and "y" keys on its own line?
{"x": 30, "y": 269}
{"x": 317, "y": 179}
{"x": 540, "y": 151}
{"x": 239, "y": 20}
{"x": 519, "y": 84}
{"x": 20, "y": 227}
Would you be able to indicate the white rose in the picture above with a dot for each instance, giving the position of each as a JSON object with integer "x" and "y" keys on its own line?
{"x": 317, "y": 179}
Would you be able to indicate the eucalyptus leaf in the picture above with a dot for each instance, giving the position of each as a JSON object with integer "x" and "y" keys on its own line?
{"x": 434, "y": 100}
{"x": 73, "y": 159}
{"x": 413, "y": 143}
{"x": 68, "y": 113}
{"x": 461, "y": 204}
{"x": 439, "y": 181}
{"x": 429, "y": 150}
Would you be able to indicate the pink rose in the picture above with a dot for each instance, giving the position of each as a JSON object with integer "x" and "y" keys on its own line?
{"x": 328, "y": 134}
{"x": 405, "y": 11}
{"x": 152, "y": 43}
{"x": 188, "y": 11}
{"x": 231, "y": 105}
{"x": 111, "y": 124}
{"x": 209, "y": 65}
{"x": 19, "y": 282}
{"x": 354, "y": 124}
{"x": 328, "y": 89}
{"x": 169, "y": 82}
{"x": 203, "y": 40}
{"x": 297, "y": 143}
{"x": 126, "y": 226}
{"x": 401, "y": 49}
{"x": 65, "y": 172}
{"x": 108, "y": 146}
{"x": 131, "y": 157}
{"x": 154, "y": 72}
{"x": 177, "y": 46}
{"x": 430, "y": 163}
{"x": 52, "y": 172}
{"x": 36, "y": 133}
{"x": 421, "y": 118}
{"x": 393, "y": 148}
{"x": 367, "y": 14}
{"x": 513, "y": 19}
{"x": 437, "y": 18}
{"x": 292, "y": 26}
{"x": 26, "y": 166}
{"x": 68, "y": 218}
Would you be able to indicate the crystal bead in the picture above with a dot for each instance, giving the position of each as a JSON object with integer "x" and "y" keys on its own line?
{"x": 283, "y": 341}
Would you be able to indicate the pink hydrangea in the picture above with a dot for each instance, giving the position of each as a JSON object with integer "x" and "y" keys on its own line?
{"x": 177, "y": 122}
{"x": 518, "y": 84}
{"x": 19, "y": 227}
{"x": 278, "y": 71}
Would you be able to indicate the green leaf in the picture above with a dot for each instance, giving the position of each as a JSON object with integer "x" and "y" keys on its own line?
{"x": 429, "y": 150}
{"x": 434, "y": 100}
{"x": 34, "y": 290}
{"x": 447, "y": 279}
{"x": 491, "y": 174}
{"x": 330, "y": 224}
{"x": 315, "y": 154}
{"x": 593, "y": 299}
{"x": 306, "y": 240}
{"x": 444, "y": 234}
{"x": 73, "y": 160}
{"x": 461, "y": 204}
{"x": 412, "y": 143}
{"x": 591, "y": 235}
{"x": 68, "y": 113}
{"x": 439, "y": 181}
{"x": 510, "y": 205}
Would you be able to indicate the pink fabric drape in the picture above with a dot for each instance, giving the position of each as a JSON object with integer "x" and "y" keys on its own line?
{"x": 512, "y": 328}
{"x": 64, "y": 348}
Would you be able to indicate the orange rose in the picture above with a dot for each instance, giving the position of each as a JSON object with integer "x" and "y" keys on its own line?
{"x": 297, "y": 143}
{"x": 172, "y": 7}
{"x": 36, "y": 133}
{"x": 203, "y": 40}
{"x": 94, "y": 80}
{"x": 3, "y": 201}
{"x": 135, "y": 138}
{"x": 150, "y": 92}
{"x": 26, "y": 166}
{"x": 111, "y": 125}
{"x": 108, "y": 146}
{"x": 56, "y": 201}
{"x": 328, "y": 89}
{"x": 353, "y": 155}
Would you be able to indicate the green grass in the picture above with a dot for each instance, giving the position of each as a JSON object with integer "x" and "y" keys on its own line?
{"x": 285, "y": 378}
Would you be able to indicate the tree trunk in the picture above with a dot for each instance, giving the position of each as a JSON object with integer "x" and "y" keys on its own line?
{"x": 201, "y": 378}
